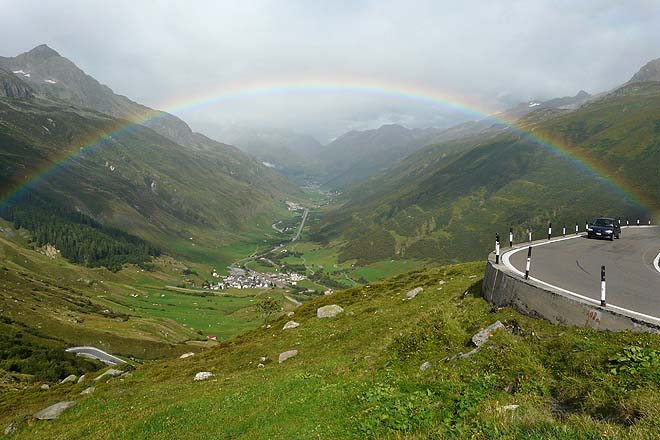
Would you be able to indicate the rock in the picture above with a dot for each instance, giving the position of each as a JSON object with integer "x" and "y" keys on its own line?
{"x": 70, "y": 378}
{"x": 441, "y": 282}
{"x": 328, "y": 311}
{"x": 203, "y": 375}
{"x": 81, "y": 378}
{"x": 111, "y": 372}
{"x": 290, "y": 314}
{"x": 290, "y": 324}
{"x": 287, "y": 355}
{"x": 88, "y": 390}
{"x": 54, "y": 411}
{"x": 10, "y": 429}
{"x": 509, "y": 407}
{"x": 45, "y": 387}
{"x": 413, "y": 293}
{"x": 260, "y": 365}
{"x": 263, "y": 359}
{"x": 186, "y": 355}
{"x": 425, "y": 366}
{"x": 481, "y": 337}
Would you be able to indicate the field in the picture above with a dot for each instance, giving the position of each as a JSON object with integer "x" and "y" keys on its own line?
{"x": 358, "y": 376}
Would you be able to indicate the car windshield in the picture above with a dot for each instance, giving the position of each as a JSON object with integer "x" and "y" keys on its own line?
{"x": 604, "y": 222}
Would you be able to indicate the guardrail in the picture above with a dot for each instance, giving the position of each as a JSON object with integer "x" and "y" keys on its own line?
{"x": 506, "y": 286}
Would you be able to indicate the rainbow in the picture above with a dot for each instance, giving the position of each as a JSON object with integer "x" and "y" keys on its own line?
{"x": 252, "y": 90}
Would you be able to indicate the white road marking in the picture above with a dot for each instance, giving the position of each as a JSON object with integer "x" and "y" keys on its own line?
{"x": 508, "y": 265}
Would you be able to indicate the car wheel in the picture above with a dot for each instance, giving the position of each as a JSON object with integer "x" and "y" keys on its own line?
{"x": 612, "y": 237}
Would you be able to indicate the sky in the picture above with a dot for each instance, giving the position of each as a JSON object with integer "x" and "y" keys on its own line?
{"x": 487, "y": 55}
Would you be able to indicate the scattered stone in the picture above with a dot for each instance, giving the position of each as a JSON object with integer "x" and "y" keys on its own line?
{"x": 413, "y": 293}
{"x": 290, "y": 314}
{"x": 45, "y": 387}
{"x": 263, "y": 359}
{"x": 268, "y": 326}
{"x": 329, "y": 311}
{"x": 290, "y": 324}
{"x": 10, "y": 429}
{"x": 203, "y": 375}
{"x": 509, "y": 407}
{"x": 472, "y": 276}
{"x": 186, "y": 355}
{"x": 480, "y": 338}
{"x": 88, "y": 390}
{"x": 287, "y": 355}
{"x": 441, "y": 282}
{"x": 260, "y": 365}
{"x": 81, "y": 378}
{"x": 54, "y": 411}
{"x": 70, "y": 378}
{"x": 425, "y": 366}
{"x": 111, "y": 372}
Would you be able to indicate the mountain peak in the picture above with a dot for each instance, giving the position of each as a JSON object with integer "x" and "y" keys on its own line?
{"x": 43, "y": 51}
{"x": 582, "y": 95}
{"x": 649, "y": 72}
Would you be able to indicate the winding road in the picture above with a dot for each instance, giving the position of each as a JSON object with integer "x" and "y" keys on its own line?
{"x": 573, "y": 265}
{"x": 96, "y": 353}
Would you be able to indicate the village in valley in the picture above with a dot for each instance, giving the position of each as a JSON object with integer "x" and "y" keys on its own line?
{"x": 251, "y": 279}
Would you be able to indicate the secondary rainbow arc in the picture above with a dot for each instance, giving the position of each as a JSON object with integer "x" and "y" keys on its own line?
{"x": 252, "y": 90}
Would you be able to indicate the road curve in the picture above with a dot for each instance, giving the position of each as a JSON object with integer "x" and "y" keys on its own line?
{"x": 96, "y": 353}
{"x": 573, "y": 265}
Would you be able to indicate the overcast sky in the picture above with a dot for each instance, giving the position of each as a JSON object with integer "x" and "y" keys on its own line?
{"x": 494, "y": 53}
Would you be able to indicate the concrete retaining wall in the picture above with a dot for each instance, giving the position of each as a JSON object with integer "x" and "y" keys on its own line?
{"x": 504, "y": 288}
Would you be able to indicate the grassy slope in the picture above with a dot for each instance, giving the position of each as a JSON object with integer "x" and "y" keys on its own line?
{"x": 358, "y": 376}
{"x": 138, "y": 180}
{"x": 447, "y": 201}
{"x": 55, "y": 302}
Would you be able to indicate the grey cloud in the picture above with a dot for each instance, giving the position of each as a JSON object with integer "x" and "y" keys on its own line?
{"x": 497, "y": 53}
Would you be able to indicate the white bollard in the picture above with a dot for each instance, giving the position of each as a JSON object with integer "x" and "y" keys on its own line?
{"x": 529, "y": 262}
{"x": 603, "y": 287}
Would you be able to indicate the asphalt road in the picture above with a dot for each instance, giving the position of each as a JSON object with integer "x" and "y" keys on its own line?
{"x": 633, "y": 279}
{"x": 96, "y": 354}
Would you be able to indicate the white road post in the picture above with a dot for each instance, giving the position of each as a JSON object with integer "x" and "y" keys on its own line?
{"x": 511, "y": 237}
{"x": 577, "y": 229}
{"x": 603, "y": 287}
{"x": 529, "y": 262}
{"x": 563, "y": 231}
{"x": 497, "y": 248}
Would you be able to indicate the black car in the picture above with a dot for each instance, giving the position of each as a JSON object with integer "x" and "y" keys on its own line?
{"x": 604, "y": 227}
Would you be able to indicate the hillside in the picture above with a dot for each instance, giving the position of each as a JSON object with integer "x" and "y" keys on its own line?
{"x": 446, "y": 201}
{"x": 360, "y": 375}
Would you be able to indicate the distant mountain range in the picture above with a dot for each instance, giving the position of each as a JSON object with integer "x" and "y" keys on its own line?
{"x": 447, "y": 200}
{"x": 357, "y": 155}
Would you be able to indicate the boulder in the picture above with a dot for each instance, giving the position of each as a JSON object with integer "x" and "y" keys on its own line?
{"x": 10, "y": 429}
{"x": 88, "y": 390}
{"x": 480, "y": 338}
{"x": 70, "y": 378}
{"x": 186, "y": 355}
{"x": 111, "y": 372}
{"x": 287, "y": 355}
{"x": 203, "y": 375}
{"x": 425, "y": 366}
{"x": 329, "y": 311}
{"x": 260, "y": 365}
{"x": 54, "y": 411}
{"x": 290, "y": 324}
{"x": 290, "y": 314}
{"x": 81, "y": 378}
{"x": 45, "y": 387}
{"x": 413, "y": 293}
